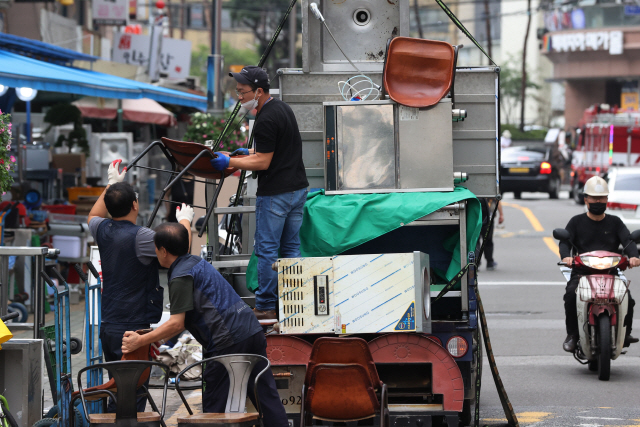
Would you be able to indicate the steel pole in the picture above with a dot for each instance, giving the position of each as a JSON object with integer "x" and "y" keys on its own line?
{"x": 214, "y": 65}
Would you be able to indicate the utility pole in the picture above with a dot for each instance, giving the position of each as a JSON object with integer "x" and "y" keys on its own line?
{"x": 293, "y": 33}
{"x": 487, "y": 13}
{"x": 418, "y": 23}
{"x": 523, "y": 84}
{"x": 214, "y": 63}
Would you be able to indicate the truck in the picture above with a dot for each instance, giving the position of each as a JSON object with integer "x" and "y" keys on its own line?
{"x": 393, "y": 197}
{"x": 605, "y": 137}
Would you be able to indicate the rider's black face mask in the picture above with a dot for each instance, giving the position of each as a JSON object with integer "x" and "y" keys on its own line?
{"x": 597, "y": 208}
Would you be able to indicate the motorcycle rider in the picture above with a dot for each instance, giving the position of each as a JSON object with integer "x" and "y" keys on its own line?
{"x": 594, "y": 231}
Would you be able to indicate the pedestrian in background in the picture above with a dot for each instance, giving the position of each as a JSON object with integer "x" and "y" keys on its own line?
{"x": 489, "y": 223}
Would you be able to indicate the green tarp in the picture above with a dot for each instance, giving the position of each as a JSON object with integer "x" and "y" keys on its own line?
{"x": 334, "y": 224}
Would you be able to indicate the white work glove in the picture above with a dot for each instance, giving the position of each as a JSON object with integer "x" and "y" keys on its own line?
{"x": 114, "y": 174}
{"x": 186, "y": 212}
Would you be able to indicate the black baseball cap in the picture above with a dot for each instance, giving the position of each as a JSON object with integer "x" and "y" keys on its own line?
{"x": 252, "y": 75}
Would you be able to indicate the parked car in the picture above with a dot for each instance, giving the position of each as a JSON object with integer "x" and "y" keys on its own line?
{"x": 624, "y": 195}
{"x": 530, "y": 168}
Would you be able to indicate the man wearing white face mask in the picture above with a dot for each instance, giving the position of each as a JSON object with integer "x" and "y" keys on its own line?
{"x": 282, "y": 182}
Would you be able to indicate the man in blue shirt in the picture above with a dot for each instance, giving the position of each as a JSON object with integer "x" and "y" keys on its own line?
{"x": 131, "y": 294}
{"x": 204, "y": 303}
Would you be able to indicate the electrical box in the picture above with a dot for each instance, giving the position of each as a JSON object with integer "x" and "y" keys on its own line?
{"x": 352, "y": 294}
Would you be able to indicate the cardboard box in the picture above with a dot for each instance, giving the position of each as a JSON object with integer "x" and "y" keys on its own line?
{"x": 71, "y": 163}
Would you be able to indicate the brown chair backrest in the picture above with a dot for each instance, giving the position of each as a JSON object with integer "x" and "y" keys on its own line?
{"x": 184, "y": 152}
{"x": 140, "y": 354}
{"x": 343, "y": 351}
{"x": 340, "y": 392}
{"x": 418, "y": 72}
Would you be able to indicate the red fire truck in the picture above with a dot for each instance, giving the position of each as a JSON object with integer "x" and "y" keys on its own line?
{"x": 606, "y": 137}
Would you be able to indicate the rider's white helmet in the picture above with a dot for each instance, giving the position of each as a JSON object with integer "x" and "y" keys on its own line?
{"x": 596, "y": 187}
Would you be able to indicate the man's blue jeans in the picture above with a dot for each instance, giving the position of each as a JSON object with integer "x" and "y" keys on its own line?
{"x": 278, "y": 221}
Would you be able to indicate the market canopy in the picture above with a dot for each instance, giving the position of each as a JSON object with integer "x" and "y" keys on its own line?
{"x": 21, "y": 71}
{"x": 142, "y": 110}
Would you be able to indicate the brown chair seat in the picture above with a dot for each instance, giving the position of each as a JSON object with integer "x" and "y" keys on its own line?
{"x": 183, "y": 153}
{"x": 229, "y": 418}
{"x": 418, "y": 72}
{"x": 143, "y": 417}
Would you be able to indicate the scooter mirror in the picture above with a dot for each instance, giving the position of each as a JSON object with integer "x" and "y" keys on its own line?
{"x": 561, "y": 234}
{"x": 635, "y": 236}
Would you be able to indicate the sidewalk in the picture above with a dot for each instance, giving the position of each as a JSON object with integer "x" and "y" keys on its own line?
{"x": 174, "y": 408}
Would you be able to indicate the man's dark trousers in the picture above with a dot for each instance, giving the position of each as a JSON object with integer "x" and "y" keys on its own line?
{"x": 571, "y": 311}
{"x": 111, "y": 337}
{"x": 216, "y": 383}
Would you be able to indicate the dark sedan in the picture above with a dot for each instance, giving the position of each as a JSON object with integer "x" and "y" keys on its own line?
{"x": 529, "y": 169}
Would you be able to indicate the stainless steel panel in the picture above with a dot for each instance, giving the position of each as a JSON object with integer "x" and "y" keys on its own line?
{"x": 365, "y": 147}
{"x": 425, "y": 150}
{"x": 363, "y": 42}
{"x": 21, "y": 379}
{"x": 475, "y": 140}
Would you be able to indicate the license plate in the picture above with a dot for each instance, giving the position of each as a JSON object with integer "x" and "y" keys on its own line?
{"x": 519, "y": 170}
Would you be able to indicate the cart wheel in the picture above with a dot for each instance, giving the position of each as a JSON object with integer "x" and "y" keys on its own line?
{"x": 76, "y": 345}
{"x": 20, "y": 308}
{"x": 46, "y": 422}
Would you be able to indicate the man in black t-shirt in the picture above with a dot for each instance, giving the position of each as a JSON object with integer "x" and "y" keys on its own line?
{"x": 282, "y": 182}
{"x": 594, "y": 231}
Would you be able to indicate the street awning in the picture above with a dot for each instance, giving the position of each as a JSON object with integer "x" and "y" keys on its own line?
{"x": 142, "y": 110}
{"x": 20, "y": 71}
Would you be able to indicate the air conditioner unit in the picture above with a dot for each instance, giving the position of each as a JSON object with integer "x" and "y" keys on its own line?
{"x": 354, "y": 294}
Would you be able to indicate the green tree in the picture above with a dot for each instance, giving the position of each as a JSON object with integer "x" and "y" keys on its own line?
{"x": 231, "y": 57}
{"x": 263, "y": 17}
{"x": 511, "y": 89}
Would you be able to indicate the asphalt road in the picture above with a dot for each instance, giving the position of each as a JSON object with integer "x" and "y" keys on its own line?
{"x": 523, "y": 302}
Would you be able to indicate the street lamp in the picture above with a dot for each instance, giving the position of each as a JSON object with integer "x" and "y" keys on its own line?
{"x": 27, "y": 95}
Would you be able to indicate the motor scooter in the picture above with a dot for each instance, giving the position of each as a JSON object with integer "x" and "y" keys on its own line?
{"x": 602, "y": 305}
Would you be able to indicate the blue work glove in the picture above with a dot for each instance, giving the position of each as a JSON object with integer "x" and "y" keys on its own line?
{"x": 221, "y": 162}
{"x": 241, "y": 152}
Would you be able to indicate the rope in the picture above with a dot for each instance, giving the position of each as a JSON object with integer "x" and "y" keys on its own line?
{"x": 462, "y": 28}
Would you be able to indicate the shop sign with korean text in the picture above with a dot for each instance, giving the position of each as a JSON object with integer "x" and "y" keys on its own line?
{"x": 134, "y": 49}
{"x": 611, "y": 41}
{"x": 110, "y": 12}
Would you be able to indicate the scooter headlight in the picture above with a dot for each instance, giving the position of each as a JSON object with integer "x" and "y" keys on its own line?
{"x": 598, "y": 263}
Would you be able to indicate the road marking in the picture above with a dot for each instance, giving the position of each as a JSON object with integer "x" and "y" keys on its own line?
{"x": 522, "y": 283}
{"x": 527, "y": 212}
{"x": 524, "y": 417}
{"x": 603, "y": 418}
{"x": 551, "y": 244}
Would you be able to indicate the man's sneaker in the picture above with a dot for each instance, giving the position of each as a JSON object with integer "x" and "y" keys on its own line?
{"x": 570, "y": 343}
{"x": 265, "y": 315}
{"x": 491, "y": 266}
{"x": 628, "y": 340}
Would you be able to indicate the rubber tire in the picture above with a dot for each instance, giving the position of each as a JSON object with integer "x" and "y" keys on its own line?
{"x": 554, "y": 188}
{"x": 24, "y": 314}
{"x": 10, "y": 420}
{"x": 604, "y": 347}
{"x": 577, "y": 194}
{"x": 76, "y": 345}
{"x": 46, "y": 422}
{"x": 517, "y": 194}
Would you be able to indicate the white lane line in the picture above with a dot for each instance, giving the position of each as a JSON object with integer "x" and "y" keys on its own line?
{"x": 523, "y": 283}
{"x": 602, "y": 418}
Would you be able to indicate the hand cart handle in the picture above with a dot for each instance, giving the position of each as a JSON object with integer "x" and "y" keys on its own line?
{"x": 59, "y": 276}
{"x": 93, "y": 270}
{"x": 10, "y": 316}
{"x": 47, "y": 279}
{"x": 78, "y": 268}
